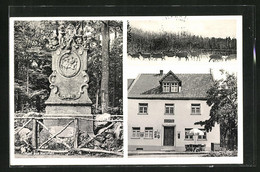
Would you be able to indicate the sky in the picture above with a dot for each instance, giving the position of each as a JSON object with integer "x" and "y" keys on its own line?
{"x": 218, "y": 27}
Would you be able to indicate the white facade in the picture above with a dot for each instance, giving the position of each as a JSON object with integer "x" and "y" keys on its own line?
{"x": 181, "y": 119}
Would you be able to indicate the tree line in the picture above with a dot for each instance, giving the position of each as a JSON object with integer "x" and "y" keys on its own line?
{"x": 153, "y": 42}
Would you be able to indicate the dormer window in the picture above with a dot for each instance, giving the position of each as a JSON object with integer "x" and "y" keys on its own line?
{"x": 170, "y": 87}
{"x": 166, "y": 87}
{"x": 174, "y": 87}
{"x": 170, "y": 83}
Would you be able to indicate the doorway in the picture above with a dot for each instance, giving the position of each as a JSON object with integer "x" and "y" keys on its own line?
{"x": 168, "y": 139}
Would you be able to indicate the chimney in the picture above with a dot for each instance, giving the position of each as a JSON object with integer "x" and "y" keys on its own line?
{"x": 211, "y": 73}
{"x": 161, "y": 72}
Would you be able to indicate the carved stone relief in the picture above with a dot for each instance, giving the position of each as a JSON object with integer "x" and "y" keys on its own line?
{"x": 69, "y": 65}
{"x": 69, "y": 80}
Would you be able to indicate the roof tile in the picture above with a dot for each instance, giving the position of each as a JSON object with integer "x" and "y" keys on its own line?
{"x": 194, "y": 86}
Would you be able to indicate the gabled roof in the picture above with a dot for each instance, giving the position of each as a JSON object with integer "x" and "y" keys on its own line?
{"x": 147, "y": 86}
{"x": 129, "y": 83}
{"x": 170, "y": 76}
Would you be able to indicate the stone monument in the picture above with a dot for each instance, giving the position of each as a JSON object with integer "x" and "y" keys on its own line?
{"x": 69, "y": 79}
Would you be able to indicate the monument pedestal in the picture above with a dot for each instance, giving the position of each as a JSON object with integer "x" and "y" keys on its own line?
{"x": 69, "y": 90}
{"x": 81, "y": 111}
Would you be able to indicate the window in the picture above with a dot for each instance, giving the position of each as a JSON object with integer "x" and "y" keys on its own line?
{"x": 166, "y": 87}
{"x": 136, "y": 132}
{"x": 169, "y": 109}
{"x": 143, "y": 107}
{"x": 171, "y": 87}
{"x": 148, "y": 132}
{"x": 188, "y": 136}
{"x": 195, "y": 109}
{"x": 202, "y": 137}
{"x": 174, "y": 87}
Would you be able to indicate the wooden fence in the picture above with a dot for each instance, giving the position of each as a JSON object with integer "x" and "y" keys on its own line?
{"x": 37, "y": 122}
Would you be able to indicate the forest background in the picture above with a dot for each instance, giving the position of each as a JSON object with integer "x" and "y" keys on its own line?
{"x": 32, "y": 63}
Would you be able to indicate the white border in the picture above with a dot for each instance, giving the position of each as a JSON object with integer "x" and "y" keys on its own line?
{"x": 125, "y": 160}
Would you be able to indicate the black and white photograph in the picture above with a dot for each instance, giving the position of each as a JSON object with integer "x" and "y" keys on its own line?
{"x": 183, "y": 93}
{"x": 66, "y": 88}
{"x": 126, "y": 90}
{"x": 164, "y": 85}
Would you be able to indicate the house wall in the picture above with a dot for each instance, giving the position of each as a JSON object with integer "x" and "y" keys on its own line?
{"x": 155, "y": 118}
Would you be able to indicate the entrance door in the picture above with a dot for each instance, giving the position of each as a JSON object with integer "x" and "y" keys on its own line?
{"x": 168, "y": 136}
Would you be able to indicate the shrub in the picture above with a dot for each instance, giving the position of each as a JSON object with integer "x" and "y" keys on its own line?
{"x": 222, "y": 153}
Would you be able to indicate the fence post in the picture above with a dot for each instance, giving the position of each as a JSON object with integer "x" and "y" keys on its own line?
{"x": 76, "y": 132}
{"x": 38, "y": 134}
{"x": 34, "y": 135}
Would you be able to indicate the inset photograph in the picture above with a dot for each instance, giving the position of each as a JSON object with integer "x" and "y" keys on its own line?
{"x": 67, "y": 88}
{"x": 182, "y": 88}
{"x": 174, "y": 39}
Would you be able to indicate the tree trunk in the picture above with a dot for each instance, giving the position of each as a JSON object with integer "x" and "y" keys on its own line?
{"x": 224, "y": 135}
{"x": 96, "y": 106}
{"x": 27, "y": 79}
{"x": 105, "y": 67}
{"x": 16, "y": 68}
{"x": 229, "y": 140}
{"x": 38, "y": 103}
{"x": 114, "y": 86}
{"x": 115, "y": 34}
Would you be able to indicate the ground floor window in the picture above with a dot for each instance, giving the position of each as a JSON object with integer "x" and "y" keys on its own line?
{"x": 148, "y": 132}
{"x": 202, "y": 137}
{"x": 188, "y": 136}
{"x": 136, "y": 132}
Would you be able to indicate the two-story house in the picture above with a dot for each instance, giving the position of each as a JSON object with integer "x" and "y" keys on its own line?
{"x": 162, "y": 109}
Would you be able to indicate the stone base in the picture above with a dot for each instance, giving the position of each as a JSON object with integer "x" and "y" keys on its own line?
{"x": 68, "y": 111}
